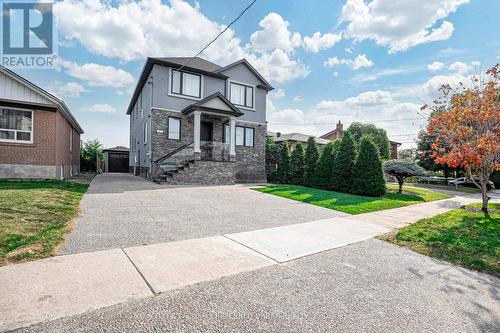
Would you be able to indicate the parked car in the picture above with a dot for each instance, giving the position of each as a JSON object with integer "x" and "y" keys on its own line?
{"x": 463, "y": 181}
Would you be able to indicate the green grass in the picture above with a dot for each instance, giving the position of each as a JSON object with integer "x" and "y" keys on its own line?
{"x": 465, "y": 238}
{"x": 34, "y": 216}
{"x": 349, "y": 203}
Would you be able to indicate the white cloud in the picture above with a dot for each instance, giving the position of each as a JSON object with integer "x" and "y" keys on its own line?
{"x": 99, "y": 108}
{"x": 475, "y": 63}
{"x": 131, "y": 31}
{"x": 318, "y": 42}
{"x": 69, "y": 89}
{"x": 277, "y": 94}
{"x": 98, "y": 75}
{"x": 297, "y": 99}
{"x": 366, "y": 77}
{"x": 359, "y": 62}
{"x": 274, "y": 35}
{"x": 460, "y": 68}
{"x": 348, "y": 50}
{"x": 435, "y": 66}
{"x": 279, "y": 67}
{"x": 335, "y": 73}
{"x": 399, "y": 26}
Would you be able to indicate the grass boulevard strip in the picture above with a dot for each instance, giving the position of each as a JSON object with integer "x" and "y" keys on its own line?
{"x": 464, "y": 236}
{"x": 350, "y": 203}
{"x": 34, "y": 216}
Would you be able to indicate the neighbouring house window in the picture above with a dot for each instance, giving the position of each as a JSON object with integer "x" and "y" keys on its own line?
{"x": 227, "y": 133}
{"x": 16, "y": 125}
{"x": 240, "y": 136}
{"x": 145, "y": 132}
{"x": 186, "y": 84}
{"x": 174, "y": 128}
{"x": 241, "y": 95}
{"x": 70, "y": 139}
{"x": 249, "y": 137}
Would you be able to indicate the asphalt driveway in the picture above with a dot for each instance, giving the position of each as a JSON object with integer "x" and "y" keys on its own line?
{"x": 121, "y": 210}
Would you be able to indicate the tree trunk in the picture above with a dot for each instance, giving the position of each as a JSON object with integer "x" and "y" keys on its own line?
{"x": 484, "y": 197}
{"x": 401, "y": 181}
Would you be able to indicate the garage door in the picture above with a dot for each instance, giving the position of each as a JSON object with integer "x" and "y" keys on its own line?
{"x": 118, "y": 162}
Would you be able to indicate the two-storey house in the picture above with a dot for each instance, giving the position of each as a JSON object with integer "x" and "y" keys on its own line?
{"x": 195, "y": 122}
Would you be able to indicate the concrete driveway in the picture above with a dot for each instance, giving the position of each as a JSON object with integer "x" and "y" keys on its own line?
{"x": 121, "y": 210}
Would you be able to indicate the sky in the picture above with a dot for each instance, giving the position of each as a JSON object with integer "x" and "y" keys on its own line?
{"x": 347, "y": 60}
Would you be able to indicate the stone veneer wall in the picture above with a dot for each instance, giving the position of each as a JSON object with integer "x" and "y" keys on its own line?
{"x": 251, "y": 161}
{"x": 206, "y": 173}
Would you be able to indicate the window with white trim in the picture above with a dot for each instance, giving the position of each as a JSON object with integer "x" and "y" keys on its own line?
{"x": 186, "y": 84}
{"x": 174, "y": 128}
{"x": 244, "y": 136}
{"x": 16, "y": 125}
{"x": 70, "y": 139}
{"x": 241, "y": 95}
{"x": 145, "y": 132}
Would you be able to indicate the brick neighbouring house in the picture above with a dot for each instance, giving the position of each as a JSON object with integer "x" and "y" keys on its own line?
{"x": 338, "y": 133}
{"x": 39, "y": 137}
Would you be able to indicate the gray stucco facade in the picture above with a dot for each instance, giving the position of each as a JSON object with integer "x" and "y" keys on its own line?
{"x": 154, "y": 103}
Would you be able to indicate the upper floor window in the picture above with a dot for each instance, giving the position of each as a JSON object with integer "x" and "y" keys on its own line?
{"x": 16, "y": 125}
{"x": 241, "y": 95}
{"x": 185, "y": 84}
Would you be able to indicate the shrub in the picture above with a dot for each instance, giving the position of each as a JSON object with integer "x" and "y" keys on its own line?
{"x": 311, "y": 162}
{"x": 272, "y": 157}
{"x": 325, "y": 167}
{"x": 297, "y": 165}
{"x": 378, "y": 135}
{"x": 368, "y": 178}
{"x": 88, "y": 152}
{"x": 283, "y": 170}
{"x": 402, "y": 169}
{"x": 342, "y": 167}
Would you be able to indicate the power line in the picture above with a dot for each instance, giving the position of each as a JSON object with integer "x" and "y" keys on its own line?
{"x": 368, "y": 121}
{"x": 220, "y": 33}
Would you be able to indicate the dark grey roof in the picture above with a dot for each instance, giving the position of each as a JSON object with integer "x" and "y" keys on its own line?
{"x": 299, "y": 137}
{"x": 196, "y": 63}
{"x": 117, "y": 148}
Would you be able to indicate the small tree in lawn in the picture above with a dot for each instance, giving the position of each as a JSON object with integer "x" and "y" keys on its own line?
{"x": 368, "y": 178}
{"x": 297, "y": 165}
{"x": 342, "y": 167}
{"x": 402, "y": 169}
{"x": 311, "y": 162}
{"x": 325, "y": 167}
{"x": 469, "y": 128}
{"x": 283, "y": 171}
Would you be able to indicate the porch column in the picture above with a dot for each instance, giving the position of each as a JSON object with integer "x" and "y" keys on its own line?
{"x": 232, "y": 141}
{"x": 197, "y": 122}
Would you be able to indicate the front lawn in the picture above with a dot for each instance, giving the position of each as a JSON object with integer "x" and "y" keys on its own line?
{"x": 350, "y": 203}
{"x": 465, "y": 237}
{"x": 34, "y": 216}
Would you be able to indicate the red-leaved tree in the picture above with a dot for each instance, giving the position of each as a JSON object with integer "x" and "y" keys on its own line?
{"x": 468, "y": 130}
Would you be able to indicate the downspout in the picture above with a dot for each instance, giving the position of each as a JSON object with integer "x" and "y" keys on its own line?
{"x": 150, "y": 83}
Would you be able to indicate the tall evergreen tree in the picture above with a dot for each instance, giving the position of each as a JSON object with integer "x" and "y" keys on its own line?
{"x": 368, "y": 177}
{"x": 342, "y": 168}
{"x": 283, "y": 171}
{"x": 324, "y": 170}
{"x": 311, "y": 162}
{"x": 297, "y": 165}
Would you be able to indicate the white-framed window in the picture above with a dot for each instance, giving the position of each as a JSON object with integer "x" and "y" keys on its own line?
{"x": 187, "y": 84}
{"x": 241, "y": 95}
{"x": 70, "y": 139}
{"x": 145, "y": 132}
{"x": 244, "y": 136}
{"x": 16, "y": 125}
{"x": 174, "y": 128}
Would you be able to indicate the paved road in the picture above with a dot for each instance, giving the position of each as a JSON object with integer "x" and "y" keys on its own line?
{"x": 122, "y": 210}
{"x": 370, "y": 286}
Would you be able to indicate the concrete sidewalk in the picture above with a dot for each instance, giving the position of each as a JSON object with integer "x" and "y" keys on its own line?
{"x": 67, "y": 285}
